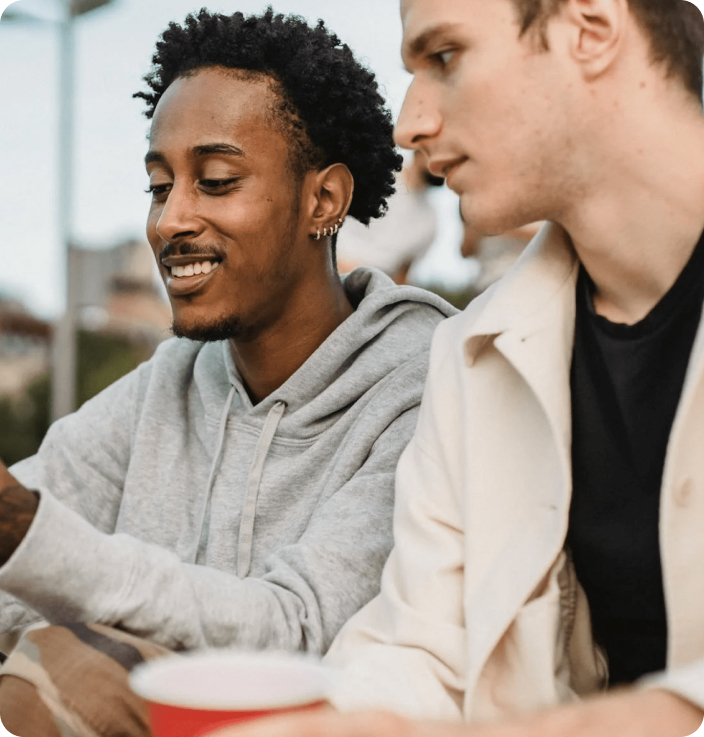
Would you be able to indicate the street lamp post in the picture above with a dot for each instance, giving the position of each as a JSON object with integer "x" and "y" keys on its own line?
{"x": 64, "y": 348}
{"x": 64, "y": 351}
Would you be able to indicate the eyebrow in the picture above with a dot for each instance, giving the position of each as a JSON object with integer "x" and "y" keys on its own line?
{"x": 418, "y": 46}
{"x": 206, "y": 149}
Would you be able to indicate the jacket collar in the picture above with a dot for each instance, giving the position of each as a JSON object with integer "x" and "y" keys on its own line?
{"x": 538, "y": 277}
{"x": 529, "y": 317}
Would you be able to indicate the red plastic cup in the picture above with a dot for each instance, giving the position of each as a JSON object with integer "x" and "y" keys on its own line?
{"x": 194, "y": 694}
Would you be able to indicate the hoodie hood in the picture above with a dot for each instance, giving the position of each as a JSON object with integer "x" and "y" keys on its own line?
{"x": 350, "y": 361}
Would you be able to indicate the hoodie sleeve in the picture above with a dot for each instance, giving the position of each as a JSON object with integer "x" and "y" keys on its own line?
{"x": 309, "y": 590}
{"x": 88, "y": 449}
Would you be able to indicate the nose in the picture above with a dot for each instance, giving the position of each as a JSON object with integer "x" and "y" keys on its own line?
{"x": 178, "y": 215}
{"x": 419, "y": 119}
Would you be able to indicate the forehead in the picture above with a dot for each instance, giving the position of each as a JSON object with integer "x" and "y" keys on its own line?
{"x": 471, "y": 19}
{"x": 214, "y": 104}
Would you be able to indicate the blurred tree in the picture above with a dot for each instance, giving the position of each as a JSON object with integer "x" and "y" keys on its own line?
{"x": 102, "y": 359}
{"x": 458, "y": 298}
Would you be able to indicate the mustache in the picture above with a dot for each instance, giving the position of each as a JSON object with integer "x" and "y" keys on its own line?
{"x": 188, "y": 249}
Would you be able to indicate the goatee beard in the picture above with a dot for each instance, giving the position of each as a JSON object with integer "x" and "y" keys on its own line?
{"x": 208, "y": 332}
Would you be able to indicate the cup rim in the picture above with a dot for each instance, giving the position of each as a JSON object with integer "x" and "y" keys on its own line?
{"x": 143, "y": 683}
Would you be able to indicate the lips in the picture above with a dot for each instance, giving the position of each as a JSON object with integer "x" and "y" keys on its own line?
{"x": 188, "y": 275}
{"x": 445, "y": 168}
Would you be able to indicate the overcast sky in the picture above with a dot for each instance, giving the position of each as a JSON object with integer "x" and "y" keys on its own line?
{"x": 114, "y": 45}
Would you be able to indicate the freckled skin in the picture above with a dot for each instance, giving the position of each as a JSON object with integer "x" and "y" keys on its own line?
{"x": 500, "y": 102}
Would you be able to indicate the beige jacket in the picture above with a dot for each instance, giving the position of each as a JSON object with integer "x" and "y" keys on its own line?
{"x": 480, "y": 615}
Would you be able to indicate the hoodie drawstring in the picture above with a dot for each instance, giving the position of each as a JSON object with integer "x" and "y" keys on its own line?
{"x": 215, "y": 465}
{"x": 244, "y": 545}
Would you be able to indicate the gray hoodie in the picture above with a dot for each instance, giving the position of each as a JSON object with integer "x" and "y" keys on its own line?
{"x": 174, "y": 509}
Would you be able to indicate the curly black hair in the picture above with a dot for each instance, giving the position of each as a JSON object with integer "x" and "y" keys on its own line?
{"x": 330, "y": 102}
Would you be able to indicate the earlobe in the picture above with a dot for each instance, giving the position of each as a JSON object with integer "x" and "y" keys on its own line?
{"x": 333, "y": 230}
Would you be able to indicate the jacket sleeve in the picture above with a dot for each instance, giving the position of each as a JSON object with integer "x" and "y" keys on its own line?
{"x": 86, "y": 450}
{"x": 309, "y": 589}
{"x": 405, "y": 650}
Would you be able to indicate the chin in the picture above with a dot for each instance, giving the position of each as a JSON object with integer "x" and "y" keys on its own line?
{"x": 208, "y": 331}
{"x": 492, "y": 218}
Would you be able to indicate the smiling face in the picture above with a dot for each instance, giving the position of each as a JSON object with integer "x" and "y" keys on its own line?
{"x": 225, "y": 221}
{"x": 490, "y": 108}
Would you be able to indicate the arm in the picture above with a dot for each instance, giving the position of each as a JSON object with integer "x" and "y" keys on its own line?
{"x": 308, "y": 590}
{"x": 406, "y": 650}
{"x": 628, "y": 714}
{"x": 18, "y": 506}
{"x": 83, "y": 459}
{"x": 84, "y": 456}
{"x": 17, "y": 509}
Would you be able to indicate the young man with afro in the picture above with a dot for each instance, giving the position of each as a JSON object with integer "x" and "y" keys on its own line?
{"x": 236, "y": 489}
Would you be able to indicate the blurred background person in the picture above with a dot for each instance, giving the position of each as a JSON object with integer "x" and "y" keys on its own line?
{"x": 405, "y": 234}
{"x": 494, "y": 254}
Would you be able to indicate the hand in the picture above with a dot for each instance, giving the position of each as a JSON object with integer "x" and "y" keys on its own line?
{"x": 334, "y": 724}
{"x": 17, "y": 509}
{"x": 626, "y": 714}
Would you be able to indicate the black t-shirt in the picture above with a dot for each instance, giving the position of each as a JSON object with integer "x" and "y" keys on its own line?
{"x": 626, "y": 383}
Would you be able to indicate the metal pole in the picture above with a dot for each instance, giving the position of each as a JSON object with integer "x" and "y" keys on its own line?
{"x": 64, "y": 344}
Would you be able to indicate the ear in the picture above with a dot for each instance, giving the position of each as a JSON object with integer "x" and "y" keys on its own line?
{"x": 597, "y": 31}
{"x": 331, "y": 195}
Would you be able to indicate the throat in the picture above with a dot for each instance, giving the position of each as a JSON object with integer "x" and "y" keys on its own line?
{"x": 268, "y": 360}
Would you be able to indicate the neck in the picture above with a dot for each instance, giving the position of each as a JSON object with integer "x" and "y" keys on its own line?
{"x": 640, "y": 217}
{"x": 312, "y": 314}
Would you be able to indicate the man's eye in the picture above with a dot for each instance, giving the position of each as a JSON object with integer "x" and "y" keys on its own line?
{"x": 158, "y": 191}
{"x": 444, "y": 57}
{"x": 218, "y": 184}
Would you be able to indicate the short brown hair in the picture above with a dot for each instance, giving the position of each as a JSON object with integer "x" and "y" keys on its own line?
{"x": 675, "y": 29}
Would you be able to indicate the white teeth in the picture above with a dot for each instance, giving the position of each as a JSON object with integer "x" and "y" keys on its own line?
{"x": 200, "y": 267}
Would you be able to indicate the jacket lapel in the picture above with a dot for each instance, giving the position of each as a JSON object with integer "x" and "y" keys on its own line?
{"x": 529, "y": 320}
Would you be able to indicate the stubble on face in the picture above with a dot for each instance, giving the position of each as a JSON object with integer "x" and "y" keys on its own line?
{"x": 243, "y": 327}
{"x": 236, "y": 326}
{"x": 253, "y": 228}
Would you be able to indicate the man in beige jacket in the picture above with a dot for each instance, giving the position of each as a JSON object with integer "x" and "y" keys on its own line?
{"x": 550, "y": 507}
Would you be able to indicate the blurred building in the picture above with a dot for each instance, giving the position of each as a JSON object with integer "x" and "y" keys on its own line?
{"x": 118, "y": 294}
